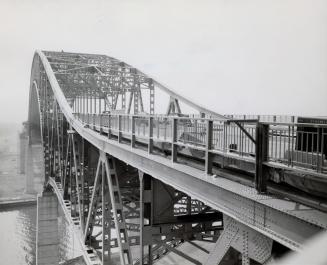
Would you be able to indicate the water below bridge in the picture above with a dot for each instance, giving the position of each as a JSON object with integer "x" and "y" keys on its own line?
{"x": 18, "y": 232}
{"x": 18, "y": 236}
{"x": 18, "y": 221}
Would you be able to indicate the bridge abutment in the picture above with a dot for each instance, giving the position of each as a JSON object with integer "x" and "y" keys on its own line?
{"x": 47, "y": 238}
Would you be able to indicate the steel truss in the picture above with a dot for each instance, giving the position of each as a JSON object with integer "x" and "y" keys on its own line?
{"x": 89, "y": 188}
{"x": 110, "y": 169}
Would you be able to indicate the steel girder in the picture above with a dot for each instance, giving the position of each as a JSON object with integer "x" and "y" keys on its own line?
{"x": 162, "y": 228}
{"x": 250, "y": 243}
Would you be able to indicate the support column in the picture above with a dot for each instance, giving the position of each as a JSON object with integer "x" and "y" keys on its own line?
{"x": 23, "y": 142}
{"x": 141, "y": 178}
{"x": 106, "y": 221}
{"x": 117, "y": 209}
{"x": 29, "y": 174}
{"x": 146, "y": 219}
{"x": 47, "y": 239}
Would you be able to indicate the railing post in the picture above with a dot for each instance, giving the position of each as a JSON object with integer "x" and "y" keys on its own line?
{"x": 261, "y": 156}
{"x": 322, "y": 149}
{"x": 224, "y": 144}
{"x": 208, "y": 155}
{"x": 109, "y": 125}
{"x": 101, "y": 130}
{"x": 150, "y": 143}
{"x": 196, "y": 132}
{"x": 174, "y": 140}
{"x": 317, "y": 152}
{"x": 133, "y": 131}
{"x": 119, "y": 128}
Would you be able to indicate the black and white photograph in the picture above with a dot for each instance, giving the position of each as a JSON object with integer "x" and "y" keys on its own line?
{"x": 163, "y": 132}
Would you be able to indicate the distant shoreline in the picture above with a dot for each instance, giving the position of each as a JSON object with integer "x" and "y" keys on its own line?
{"x": 16, "y": 202}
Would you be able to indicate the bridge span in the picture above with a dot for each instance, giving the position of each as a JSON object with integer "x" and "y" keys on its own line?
{"x": 137, "y": 182}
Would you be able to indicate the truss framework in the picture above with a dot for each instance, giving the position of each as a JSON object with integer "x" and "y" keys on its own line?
{"x": 108, "y": 185}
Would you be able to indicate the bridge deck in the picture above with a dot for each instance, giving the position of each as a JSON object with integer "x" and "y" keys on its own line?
{"x": 281, "y": 219}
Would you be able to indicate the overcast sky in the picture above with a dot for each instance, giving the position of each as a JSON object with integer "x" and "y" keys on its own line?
{"x": 233, "y": 56}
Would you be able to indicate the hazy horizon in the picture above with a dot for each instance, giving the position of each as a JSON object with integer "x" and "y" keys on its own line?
{"x": 253, "y": 57}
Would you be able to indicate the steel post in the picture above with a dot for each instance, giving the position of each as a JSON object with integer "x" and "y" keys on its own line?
{"x": 262, "y": 137}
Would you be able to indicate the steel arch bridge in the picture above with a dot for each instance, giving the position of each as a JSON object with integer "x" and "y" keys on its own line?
{"x": 142, "y": 180}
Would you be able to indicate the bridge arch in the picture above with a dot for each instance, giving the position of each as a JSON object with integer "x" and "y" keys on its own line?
{"x": 34, "y": 116}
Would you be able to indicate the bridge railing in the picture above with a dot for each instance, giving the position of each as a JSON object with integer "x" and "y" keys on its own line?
{"x": 294, "y": 145}
{"x": 300, "y": 145}
{"x": 225, "y": 137}
{"x": 265, "y": 118}
{"x": 229, "y": 138}
{"x": 162, "y": 129}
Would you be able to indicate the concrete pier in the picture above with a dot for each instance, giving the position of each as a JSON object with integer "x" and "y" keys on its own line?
{"x": 29, "y": 170}
{"x": 47, "y": 239}
{"x": 23, "y": 143}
